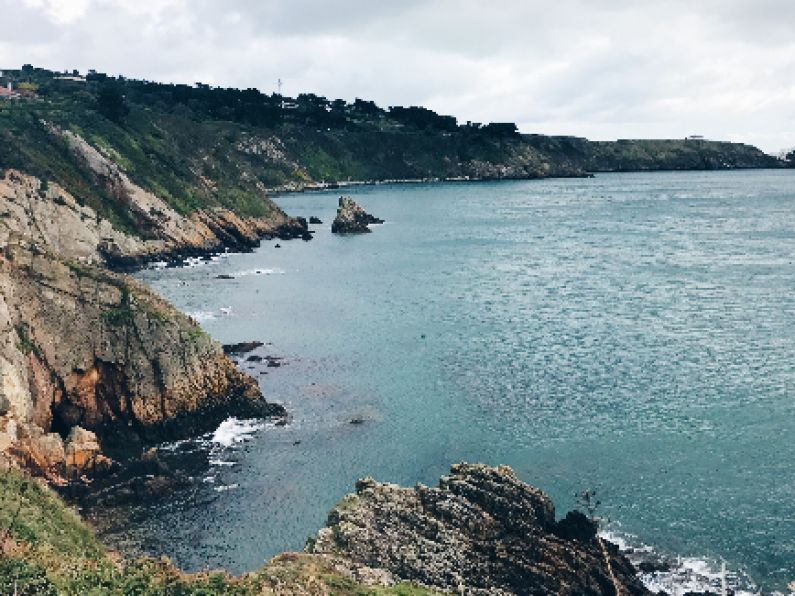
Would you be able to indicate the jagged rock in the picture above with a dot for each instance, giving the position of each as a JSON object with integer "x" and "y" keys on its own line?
{"x": 42, "y": 452}
{"x": 244, "y": 347}
{"x": 293, "y": 228}
{"x": 352, "y": 219}
{"x": 576, "y": 526}
{"x": 482, "y": 531}
{"x": 83, "y": 454}
{"x": 316, "y": 221}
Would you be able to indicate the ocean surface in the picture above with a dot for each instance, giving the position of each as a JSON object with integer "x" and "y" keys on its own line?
{"x": 630, "y": 333}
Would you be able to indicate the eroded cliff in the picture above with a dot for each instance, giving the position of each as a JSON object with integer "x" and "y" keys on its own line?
{"x": 84, "y": 347}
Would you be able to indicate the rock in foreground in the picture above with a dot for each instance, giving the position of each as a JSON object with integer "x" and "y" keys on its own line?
{"x": 482, "y": 531}
{"x": 352, "y": 219}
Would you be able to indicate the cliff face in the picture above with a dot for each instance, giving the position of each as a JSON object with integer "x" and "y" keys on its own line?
{"x": 482, "y": 531}
{"x": 83, "y": 347}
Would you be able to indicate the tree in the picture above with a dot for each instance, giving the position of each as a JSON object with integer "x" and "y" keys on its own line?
{"x": 111, "y": 102}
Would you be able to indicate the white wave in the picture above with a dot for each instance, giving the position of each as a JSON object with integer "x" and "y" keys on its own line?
{"x": 224, "y": 488}
{"x": 260, "y": 271}
{"x": 221, "y": 462}
{"x": 233, "y": 431}
{"x": 685, "y": 574}
{"x": 202, "y": 315}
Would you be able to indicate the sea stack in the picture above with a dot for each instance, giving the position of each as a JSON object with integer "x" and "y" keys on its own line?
{"x": 352, "y": 219}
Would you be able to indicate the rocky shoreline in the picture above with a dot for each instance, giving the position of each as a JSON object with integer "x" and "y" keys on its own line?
{"x": 94, "y": 364}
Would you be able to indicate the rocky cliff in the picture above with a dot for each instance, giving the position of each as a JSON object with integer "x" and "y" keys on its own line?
{"x": 481, "y": 531}
{"x": 83, "y": 347}
{"x": 199, "y": 149}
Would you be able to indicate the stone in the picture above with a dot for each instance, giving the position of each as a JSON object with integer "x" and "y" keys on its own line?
{"x": 315, "y": 221}
{"x": 576, "y": 526}
{"x": 44, "y": 453}
{"x": 352, "y": 219}
{"x": 481, "y": 531}
{"x": 243, "y": 347}
{"x": 83, "y": 455}
{"x": 5, "y": 405}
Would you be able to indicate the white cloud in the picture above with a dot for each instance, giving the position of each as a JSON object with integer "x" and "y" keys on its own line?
{"x": 63, "y": 12}
{"x": 625, "y": 68}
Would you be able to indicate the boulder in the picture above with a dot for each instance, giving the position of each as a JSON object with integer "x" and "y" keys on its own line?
{"x": 83, "y": 454}
{"x": 43, "y": 453}
{"x": 316, "y": 221}
{"x": 352, "y": 219}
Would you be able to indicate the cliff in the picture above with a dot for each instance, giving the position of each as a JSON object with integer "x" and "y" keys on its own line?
{"x": 83, "y": 347}
{"x": 481, "y": 531}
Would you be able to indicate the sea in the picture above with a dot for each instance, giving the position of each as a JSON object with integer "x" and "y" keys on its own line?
{"x": 631, "y": 334}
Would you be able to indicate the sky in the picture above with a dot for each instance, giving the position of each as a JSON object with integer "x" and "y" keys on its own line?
{"x": 602, "y": 69}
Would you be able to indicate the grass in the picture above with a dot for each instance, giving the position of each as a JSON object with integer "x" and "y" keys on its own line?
{"x": 47, "y": 549}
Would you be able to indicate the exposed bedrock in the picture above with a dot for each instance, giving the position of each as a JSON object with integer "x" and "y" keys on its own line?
{"x": 352, "y": 219}
{"x": 481, "y": 531}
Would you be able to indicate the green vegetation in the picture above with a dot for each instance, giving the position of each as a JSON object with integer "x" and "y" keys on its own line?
{"x": 197, "y": 146}
{"x": 47, "y": 549}
{"x": 25, "y": 343}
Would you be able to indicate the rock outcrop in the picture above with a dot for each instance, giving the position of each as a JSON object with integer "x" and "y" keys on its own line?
{"x": 49, "y": 214}
{"x": 83, "y": 347}
{"x": 352, "y": 219}
{"x": 482, "y": 531}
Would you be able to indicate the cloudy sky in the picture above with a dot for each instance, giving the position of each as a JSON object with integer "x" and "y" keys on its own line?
{"x": 603, "y": 69}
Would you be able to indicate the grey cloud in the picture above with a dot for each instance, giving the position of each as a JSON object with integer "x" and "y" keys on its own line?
{"x": 612, "y": 69}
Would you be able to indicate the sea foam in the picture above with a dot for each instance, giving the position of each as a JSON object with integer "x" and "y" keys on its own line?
{"x": 233, "y": 431}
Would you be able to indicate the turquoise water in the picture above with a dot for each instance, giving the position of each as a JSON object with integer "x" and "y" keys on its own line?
{"x": 633, "y": 333}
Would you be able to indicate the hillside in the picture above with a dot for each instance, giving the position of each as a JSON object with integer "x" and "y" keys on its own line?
{"x": 197, "y": 147}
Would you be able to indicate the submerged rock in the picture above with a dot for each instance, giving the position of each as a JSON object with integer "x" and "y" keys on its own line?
{"x": 481, "y": 531}
{"x": 352, "y": 219}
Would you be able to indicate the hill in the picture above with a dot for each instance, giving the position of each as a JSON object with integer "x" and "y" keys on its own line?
{"x": 198, "y": 147}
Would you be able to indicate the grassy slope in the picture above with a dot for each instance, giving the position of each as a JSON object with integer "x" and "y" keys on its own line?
{"x": 47, "y": 549}
{"x": 193, "y": 159}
